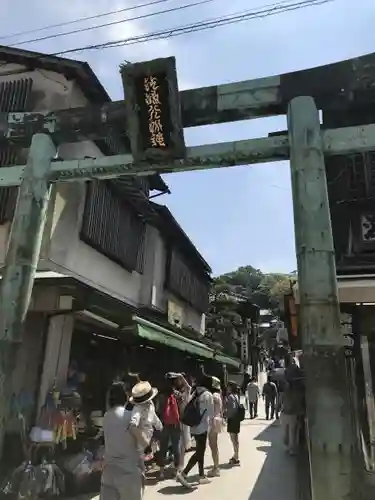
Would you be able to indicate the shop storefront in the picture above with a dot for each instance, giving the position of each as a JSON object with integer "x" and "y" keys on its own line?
{"x": 102, "y": 352}
{"x": 85, "y": 341}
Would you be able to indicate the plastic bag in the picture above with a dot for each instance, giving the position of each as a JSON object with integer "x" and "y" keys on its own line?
{"x": 82, "y": 475}
{"x": 79, "y": 464}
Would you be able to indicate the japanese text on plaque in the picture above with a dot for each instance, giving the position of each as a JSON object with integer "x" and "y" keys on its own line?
{"x": 152, "y": 99}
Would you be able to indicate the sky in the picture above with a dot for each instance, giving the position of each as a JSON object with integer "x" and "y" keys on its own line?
{"x": 237, "y": 216}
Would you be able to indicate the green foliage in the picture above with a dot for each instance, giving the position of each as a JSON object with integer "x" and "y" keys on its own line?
{"x": 246, "y": 283}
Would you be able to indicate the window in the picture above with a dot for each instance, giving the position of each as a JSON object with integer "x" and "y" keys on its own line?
{"x": 14, "y": 96}
{"x": 184, "y": 282}
{"x": 111, "y": 227}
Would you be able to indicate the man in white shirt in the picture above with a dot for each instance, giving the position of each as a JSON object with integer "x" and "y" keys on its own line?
{"x": 253, "y": 394}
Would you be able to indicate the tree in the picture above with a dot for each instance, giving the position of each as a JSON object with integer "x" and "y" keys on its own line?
{"x": 223, "y": 320}
{"x": 246, "y": 283}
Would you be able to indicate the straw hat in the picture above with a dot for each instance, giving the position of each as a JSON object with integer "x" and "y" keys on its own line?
{"x": 142, "y": 393}
{"x": 216, "y": 383}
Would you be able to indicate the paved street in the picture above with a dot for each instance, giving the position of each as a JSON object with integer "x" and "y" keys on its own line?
{"x": 266, "y": 472}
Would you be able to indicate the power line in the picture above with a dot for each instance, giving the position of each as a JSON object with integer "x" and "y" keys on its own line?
{"x": 113, "y": 23}
{"x": 82, "y": 19}
{"x": 202, "y": 25}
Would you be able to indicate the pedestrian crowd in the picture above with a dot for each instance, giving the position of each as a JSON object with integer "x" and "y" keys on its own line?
{"x": 172, "y": 416}
{"x": 166, "y": 421}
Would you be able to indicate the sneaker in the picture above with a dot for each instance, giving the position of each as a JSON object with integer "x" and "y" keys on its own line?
{"x": 214, "y": 473}
{"x": 204, "y": 480}
{"x": 181, "y": 478}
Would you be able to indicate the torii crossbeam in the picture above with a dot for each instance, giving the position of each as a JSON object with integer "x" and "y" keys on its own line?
{"x": 340, "y": 141}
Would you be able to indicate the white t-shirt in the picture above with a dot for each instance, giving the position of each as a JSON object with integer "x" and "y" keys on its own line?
{"x": 206, "y": 407}
{"x": 144, "y": 416}
{"x": 253, "y": 392}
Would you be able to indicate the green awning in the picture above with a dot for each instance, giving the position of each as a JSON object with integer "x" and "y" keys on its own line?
{"x": 156, "y": 333}
{"x": 228, "y": 360}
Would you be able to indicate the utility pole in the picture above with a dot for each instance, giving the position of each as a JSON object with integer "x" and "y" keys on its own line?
{"x": 332, "y": 440}
{"x": 21, "y": 261}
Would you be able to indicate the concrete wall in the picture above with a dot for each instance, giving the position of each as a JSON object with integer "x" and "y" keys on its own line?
{"x": 27, "y": 366}
{"x": 72, "y": 255}
{"x": 57, "y": 355}
{"x": 50, "y": 90}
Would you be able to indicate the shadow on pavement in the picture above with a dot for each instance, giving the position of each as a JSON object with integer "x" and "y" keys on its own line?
{"x": 277, "y": 479}
{"x": 174, "y": 490}
{"x": 178, "y": 489}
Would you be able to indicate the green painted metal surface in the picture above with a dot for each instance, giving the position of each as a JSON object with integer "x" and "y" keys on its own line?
{"x": 221, "y": 155}
{"x": 22, "y": 260}
{"x": 331, "y": 435}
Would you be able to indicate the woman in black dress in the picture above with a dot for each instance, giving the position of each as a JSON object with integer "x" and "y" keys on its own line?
{"x": 232, "y": 407}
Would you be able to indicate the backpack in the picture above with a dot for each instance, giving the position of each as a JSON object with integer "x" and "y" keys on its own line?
{"x": 192, "y": 415}
{"x": 241, "y": 412}
{"x": 171, "y": 414}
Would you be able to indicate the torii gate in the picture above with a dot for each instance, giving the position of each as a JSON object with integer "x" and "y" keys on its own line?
{"x": 154, "y": 113}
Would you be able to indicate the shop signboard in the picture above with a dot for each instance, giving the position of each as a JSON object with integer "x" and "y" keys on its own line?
{"x": 244, "y": 343}
{"x": 291, "y": 322}
{"x": 153, "y": 110}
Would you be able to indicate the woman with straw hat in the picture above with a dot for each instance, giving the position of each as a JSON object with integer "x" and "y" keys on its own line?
{"x": 125, "y": 435}
{"x": 144, "y": 414}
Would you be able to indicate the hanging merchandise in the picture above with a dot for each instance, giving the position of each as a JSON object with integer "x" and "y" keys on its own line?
{"x": 54, "y": 426}
{"x": 66, "y": 428}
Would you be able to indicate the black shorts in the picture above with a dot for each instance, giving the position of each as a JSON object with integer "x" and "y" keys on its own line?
{"x": 233, "y": 426}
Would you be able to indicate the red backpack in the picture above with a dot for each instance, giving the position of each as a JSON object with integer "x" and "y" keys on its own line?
{"x": 171, "y": 414}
